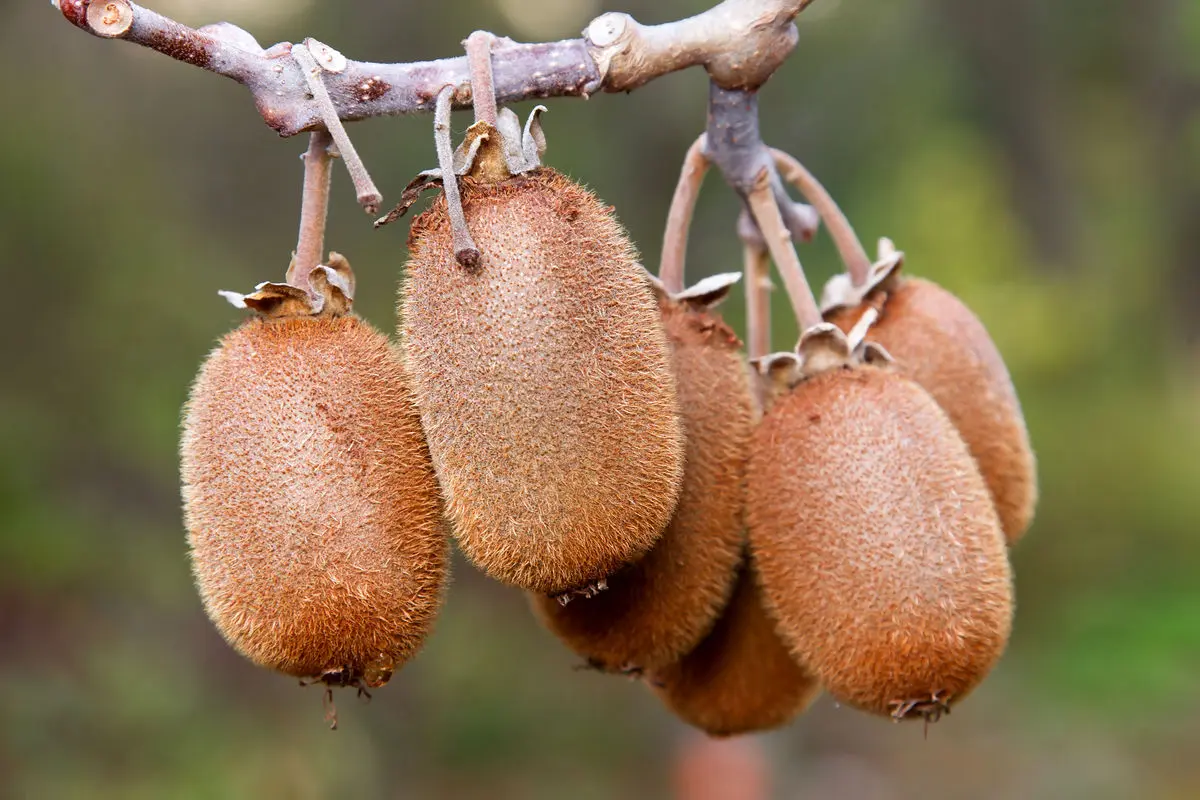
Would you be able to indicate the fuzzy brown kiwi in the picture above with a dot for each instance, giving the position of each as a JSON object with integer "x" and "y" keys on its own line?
{"x": 543, "y": 377}
{"x": 311, "y": 504}
{"x": 660, "y": 608}
{"x": 741, "y": 678}
{"x": 939, "y": 343}
{"x": 880, "y": 550}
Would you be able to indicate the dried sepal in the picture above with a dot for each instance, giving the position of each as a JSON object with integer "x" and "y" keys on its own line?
{"x": 533, "y": 140}
{"x": 494, "y": 153}
{"x": 840, "y": 292}
{"x": 429, "y": 179}
{"x": 481, "y": 154}
{"x": 822, "y": 348}
{"x": 703, "y": 295}
{"x": 332, "y": 293}
{"x": 874, "y": 354}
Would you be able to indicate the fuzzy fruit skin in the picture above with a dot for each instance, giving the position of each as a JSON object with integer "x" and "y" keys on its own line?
{"x": 311, "y": 504}
{"x": 658, "y": 609}
{"x": 544, "y": 383}
{"x": 879, "y": 547}
{"x": 942, "y": 345}
{"x": 741, "y": 678}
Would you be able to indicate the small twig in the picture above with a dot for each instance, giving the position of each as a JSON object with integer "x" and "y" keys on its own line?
{"x": 757, "y": 282}
{"x": 854, "y": 256}
{"x": 314, "y": 208}
{"x": 765, "y": 209}
{"x": 465, "y": 251}
{"x": 368, "y": 196}
{"x": 679, "y": 219}
{"x": 483, "y": 84}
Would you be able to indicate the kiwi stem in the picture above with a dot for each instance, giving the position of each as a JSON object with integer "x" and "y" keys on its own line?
{"x": 765, "y": 208}
{"x": 483, "y": 86}
{"x": 368, "y": 195}
{"x": 854, "y": 256}
{"x": 757, "y": 280}
{"x": 465, "y": 251}
{"x": 679, "y": 219}
{"x": 314, "y": 208}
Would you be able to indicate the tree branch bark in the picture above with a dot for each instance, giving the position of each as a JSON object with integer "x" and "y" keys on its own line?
{"x": 740, "y": 42}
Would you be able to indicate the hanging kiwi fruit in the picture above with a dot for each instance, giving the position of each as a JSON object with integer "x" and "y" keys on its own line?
{"x": 540, "y": 366}
{"x": 658, "y": 609}
{"x": 740, "y": 678}
{"x": 881, "y": 554}
{"x": 312, "y": 508}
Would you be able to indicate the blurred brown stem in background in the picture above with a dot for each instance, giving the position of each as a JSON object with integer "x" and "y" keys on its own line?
{"x": 721, "y": 769}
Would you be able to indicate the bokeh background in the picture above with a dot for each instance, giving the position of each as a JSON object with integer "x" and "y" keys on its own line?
{"x": 1042, "y": 160}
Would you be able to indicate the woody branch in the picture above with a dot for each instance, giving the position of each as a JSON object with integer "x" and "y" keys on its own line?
{"x": 739, "y": 42}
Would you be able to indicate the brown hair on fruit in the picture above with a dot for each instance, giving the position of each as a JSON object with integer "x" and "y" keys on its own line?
{"x": 541, "y": 371}
{"x": 939, "y": 343}
{"x": 658, "y": 609}
{"x": 312, "y": 508}
{"x": 740, "y": 678}
{"x": 879, "y": 548}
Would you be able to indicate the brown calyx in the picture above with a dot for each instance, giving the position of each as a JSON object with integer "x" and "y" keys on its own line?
{"x": 331, "y": 295}
{"x": 822, "y": 348}
{"x": 884, "y": 277}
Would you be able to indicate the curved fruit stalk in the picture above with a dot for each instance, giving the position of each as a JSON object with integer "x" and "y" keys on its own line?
{"x": 939, "y": 343}
{"x": 312, "y": 508}
{"x": 880, "y": 550}
{"x": 658, "y": 609}
{"x": 541, "y": 370}
{"x": 741, "y": 678}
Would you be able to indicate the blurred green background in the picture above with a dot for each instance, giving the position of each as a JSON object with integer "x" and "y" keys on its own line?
{"x": 1041, "y": 160}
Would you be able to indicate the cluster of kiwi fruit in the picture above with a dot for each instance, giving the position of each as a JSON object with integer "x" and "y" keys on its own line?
{"x": 738, "y": 533}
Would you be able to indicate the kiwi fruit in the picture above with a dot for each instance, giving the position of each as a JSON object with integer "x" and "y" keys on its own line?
{"x": 312, "y": 508}
{"x": 939, "y": 343}
{"x": 879, "y": 548}
{"x": 741, "y": 677}
{"x": 659, "y": 608}
{"x": 543, "y": 377}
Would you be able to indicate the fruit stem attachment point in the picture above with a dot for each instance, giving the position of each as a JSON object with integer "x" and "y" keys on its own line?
{"x": 314, "y": 208}
{"x": 679, "y": 219}
{"x": 757, "y": 271}
{"x": 368, "y": 195}
{"x": 850, "y": 248}
{"x": 483, "y": 86}
{"x": 465, "y": 251}
{"x": 764, "y": 207}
